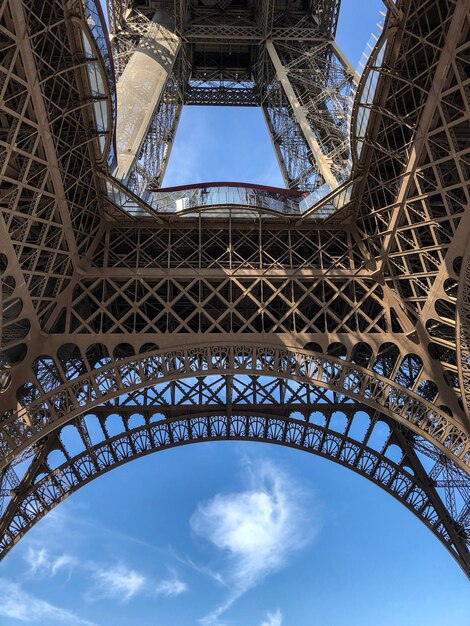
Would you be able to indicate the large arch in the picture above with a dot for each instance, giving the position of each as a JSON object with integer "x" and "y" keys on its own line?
{"x": 61, "y": 400}
{"x": 299, "y": 398}
{"x": 369, "y": 443}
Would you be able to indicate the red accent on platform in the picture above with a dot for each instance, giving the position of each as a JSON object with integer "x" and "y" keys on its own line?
{"x": 286, "y": 192}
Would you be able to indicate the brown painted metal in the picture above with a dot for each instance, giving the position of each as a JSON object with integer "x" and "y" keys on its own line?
{"x": 343, "y": 331}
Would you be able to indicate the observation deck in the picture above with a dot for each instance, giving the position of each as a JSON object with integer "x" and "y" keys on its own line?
{"x": 227, "y": 199}
{"x": 220, "y": 196}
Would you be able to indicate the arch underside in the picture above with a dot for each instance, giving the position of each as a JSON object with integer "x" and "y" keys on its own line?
{"x": 373, "y": 298}
{"x": 67, "y": 391}
{"x": 76, "y": 431}
{"x": 386, "y": 454}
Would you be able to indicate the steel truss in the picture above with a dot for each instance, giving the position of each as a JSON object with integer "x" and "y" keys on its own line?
{"x": 55, "y": 473}
{"x": 125, "y": 330}
{"x": 279, "y": 59}
{"x": 295, "y": 99}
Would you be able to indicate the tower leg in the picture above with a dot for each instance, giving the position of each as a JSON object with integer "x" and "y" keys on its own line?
{"x": 139, "y": 90}
{"x": 299, "y": 113}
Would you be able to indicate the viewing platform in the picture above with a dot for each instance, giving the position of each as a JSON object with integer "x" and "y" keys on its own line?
{"x": 219, "y": 199}
{"x": 222, "y": 195}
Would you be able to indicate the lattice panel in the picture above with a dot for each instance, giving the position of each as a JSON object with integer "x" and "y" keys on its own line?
{"x": 28, "y": 202}
{"x": 200, "y": 244}
{"x": 416, "y": 196}
{"x": 53, "y": 46}
{"x": 372, "y": 447}
{"x": 233, "y": 305}
{"x": 49, "y": 208}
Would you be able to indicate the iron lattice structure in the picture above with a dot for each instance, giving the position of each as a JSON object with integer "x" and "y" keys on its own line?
{"x": 340, "y": 328}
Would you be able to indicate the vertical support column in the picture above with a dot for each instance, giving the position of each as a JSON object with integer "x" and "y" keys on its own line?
{"x": 169, "y": 144}
{"x": 343, "y": 59}
{"x": 277, "y": 150}
{"x": 139, "y": 90}
{"x": 321, "y": 160}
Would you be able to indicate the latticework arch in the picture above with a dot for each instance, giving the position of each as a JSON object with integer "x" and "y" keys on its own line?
{"x": 273, "y": 315}
{"x": 84, "y": 449}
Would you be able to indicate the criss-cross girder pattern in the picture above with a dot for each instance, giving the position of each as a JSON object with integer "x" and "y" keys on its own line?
{"x": 341, "y": 331}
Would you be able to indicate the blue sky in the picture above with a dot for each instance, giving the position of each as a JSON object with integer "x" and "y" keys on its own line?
{"x": 231, "y": 533}
{"x": 212, "y": 144}
{"x": 238, "y": 534}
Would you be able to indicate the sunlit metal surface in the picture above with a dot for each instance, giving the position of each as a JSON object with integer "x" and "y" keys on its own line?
{"x": 332, "y": 316}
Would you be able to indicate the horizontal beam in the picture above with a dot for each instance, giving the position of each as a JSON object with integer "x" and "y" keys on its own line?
{"x": 192, "y": 272}
{"x": 207, "y": 33}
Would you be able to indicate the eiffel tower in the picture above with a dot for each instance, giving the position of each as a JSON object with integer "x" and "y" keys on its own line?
{"x": 332, "y": 315}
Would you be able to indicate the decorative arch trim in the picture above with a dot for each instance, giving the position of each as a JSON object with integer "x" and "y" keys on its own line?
{"x": 48, "y": 485}
{"x": 22, "y": 428}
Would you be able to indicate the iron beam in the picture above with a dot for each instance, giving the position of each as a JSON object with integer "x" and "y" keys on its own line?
{"x": 323, "y": 163}
{"x": 139, "y": 90}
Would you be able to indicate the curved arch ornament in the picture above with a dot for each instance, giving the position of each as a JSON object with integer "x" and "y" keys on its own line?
{"x": 463, "y": 327}
{"x": 311, "y": 371}
{"x": 224, "y": 392}
{"x": 403, "y": 478}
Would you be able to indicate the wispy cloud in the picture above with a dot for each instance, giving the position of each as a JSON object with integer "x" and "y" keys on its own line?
{"x": 37, "y": 560}
{"x": 201, "y": 569}
{"x": 171, "y": 587}
{"x": 15, "y": 603}
{"x": 273, "y": 619}
{"x": 256, "y": 529}
{"x": 117, "y": 582}
{"x": 41, "y": 563}
{"x": 113, "y": 582}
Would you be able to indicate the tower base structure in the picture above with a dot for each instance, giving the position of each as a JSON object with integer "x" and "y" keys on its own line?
{"x": 331, "y": 316}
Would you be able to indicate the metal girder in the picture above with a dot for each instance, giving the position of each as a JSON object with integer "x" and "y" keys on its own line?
{"x": 321, "y": 160}
{"x": 438, "y": 85}
{"x": 149, "y": 167}
{"x": 139, "y": 91}
{"x": 276, "y": 141}
{"x": 34, "y": 87}
{"x": 207, "y": 33}
{"x": 239, "y": 322}
{"x": 305, "y": 94}
{"x": 343, "y": 59}
{"x": 266, "y": 17}
{"x": 221, "y": 96}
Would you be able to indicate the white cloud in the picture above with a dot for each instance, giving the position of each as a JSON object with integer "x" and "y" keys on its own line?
{"x": 273, "y": 619}
{"x": 42, "y": 563}
{"x": 37, "y": 560}
{"x": 256, "y": 529}
{"x": 201, "y": 569}
{"x": 17, "y": 604}
{"x": 64, "y": 560}
{"x": 171, "y": 587}
{"x": 117, "y": 582}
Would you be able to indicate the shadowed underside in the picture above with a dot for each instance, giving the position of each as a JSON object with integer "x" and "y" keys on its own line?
{"x": 339, "y": 328}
